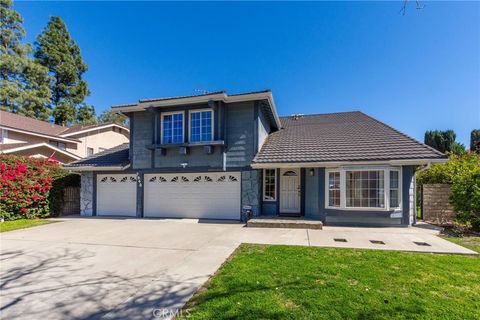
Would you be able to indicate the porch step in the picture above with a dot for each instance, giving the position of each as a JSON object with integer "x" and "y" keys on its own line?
{"x": 291, "y": 223}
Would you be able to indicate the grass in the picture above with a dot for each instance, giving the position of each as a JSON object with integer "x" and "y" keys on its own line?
{"x": 292, "y": 282}
{"x": 472, "y": 243}
{"x": 21, "y": 224}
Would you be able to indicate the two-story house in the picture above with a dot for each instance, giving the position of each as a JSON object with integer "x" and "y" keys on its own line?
{"x": 30, "y": 137}
{"x": 216, "y": 156}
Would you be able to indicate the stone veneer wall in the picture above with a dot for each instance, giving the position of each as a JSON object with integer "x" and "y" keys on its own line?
{"x": 251, "y": 190}
{"x": 86, "y": 194}
{"x": 436, "y": 208}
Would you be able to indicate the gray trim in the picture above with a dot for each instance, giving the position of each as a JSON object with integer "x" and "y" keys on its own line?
{"x": 130, "y": 142}
{"x": 140, "y": 194}
{"x": 278, "y": 191}
{"x": 255, "y": 127}
{"x": 407, "y": 175}
{"x": 302, "y": 192}
{"x": 94, "y": 200}
{"x": 321, "y": 193}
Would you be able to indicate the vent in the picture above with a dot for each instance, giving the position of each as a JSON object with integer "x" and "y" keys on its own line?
{"x": 297, "y": 116}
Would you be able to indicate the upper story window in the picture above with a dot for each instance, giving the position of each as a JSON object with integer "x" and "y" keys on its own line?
{"x": 60, "y": 145}
{"x": 201, "y": 125}
{"x": 90, "y": 151}
{"x": 172, "y": 127}
{"x": 3, "y": 136}
{"x": 363, "y": 188}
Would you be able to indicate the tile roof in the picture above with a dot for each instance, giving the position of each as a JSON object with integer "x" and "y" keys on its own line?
{"x": 189, "y": 96}
{"x": 347, "y": 136}
{"x": 20, "y": 122}
{"x": 114, "y": 157}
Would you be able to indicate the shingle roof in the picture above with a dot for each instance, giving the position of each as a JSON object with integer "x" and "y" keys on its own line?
{"x": 20, "y": 122}
{"x": 114, "y": 157}
{"x": 347, "y": 136}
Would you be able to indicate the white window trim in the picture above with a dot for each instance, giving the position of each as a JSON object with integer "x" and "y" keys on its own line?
{"x": 190, "y": 124}
{"x": 343, "y": 192}
{"x": 161, "y": 125}
{"x": 263, "y": 186}
{"x": 4, "y": 136}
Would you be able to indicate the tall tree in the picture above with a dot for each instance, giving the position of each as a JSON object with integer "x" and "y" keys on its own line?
{"x": 115, "y": 117}
{"x": 443, "y": 141}
{"x": 24, "y": 85}
{"x": 475, "y": 140}
{"x": 56, "y": 50}
{"x": 86, "y": 114}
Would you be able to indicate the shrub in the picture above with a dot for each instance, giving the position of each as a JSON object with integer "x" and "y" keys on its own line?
{"x": 30, "y": 187}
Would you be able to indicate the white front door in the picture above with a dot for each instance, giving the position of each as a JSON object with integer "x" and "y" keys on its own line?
{"x": 290, "y": 191}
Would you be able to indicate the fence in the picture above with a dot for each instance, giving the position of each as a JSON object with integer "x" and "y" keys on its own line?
{"x": 71, "y": 201}
{"x": 435, "y": 206}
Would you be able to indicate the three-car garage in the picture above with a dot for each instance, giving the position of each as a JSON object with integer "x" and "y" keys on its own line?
{"x": 171, "y": 195}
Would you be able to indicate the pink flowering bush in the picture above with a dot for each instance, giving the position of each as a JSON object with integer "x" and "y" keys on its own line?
{"x": 25, "y": 186}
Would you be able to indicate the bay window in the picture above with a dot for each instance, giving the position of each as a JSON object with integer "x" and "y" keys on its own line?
{"x": 172, "y": 127}
{"x": 201, "y": 125}
{"x": 363, "y": 188}
{"x": 269, "y": 185}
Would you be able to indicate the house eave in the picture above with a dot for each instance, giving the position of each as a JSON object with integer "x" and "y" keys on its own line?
{"x": 53, "y": 137}
{"x": 329, "y": 164}
{"x": 94, "y": 129}
{"x": 39, "y": 145}
{"x": 96, "y": 168}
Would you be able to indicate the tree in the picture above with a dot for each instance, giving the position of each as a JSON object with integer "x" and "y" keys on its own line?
{"x": 86, "y": 114}
{"x": 24, "y": 85}
{"x": 443, "y": 141}
{"x": 458, "y": 149}
{"x": 56, "y": 50}
{"x": 475, "y": 140}
{"x": 114, "y": 117}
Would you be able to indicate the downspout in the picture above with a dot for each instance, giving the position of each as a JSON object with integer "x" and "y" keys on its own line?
{"x": 426, "y": 167}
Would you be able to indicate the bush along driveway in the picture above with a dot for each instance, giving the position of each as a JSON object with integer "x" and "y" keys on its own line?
{"x": 287, "y": 282}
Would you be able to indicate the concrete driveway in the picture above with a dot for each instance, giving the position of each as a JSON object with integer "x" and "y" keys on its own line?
{"x": 142, "y": 269}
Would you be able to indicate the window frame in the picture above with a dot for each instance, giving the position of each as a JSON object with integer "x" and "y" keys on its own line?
{"x": 327, "y": 189}
{"x": 162, "y": 116}
{"x": 386, "y": 184}
{"x": 275, "y": 185}
{"x": 190, "y": 124}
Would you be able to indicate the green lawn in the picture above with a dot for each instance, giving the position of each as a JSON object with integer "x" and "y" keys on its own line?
{"x": 292, "y": 282}
{"x": 21, "y": 224}
{"x": 472, "y": 243}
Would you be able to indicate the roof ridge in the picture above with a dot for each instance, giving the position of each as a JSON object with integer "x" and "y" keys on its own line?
{"x": 404, "y": 134}
{"x": 323, "y": 114}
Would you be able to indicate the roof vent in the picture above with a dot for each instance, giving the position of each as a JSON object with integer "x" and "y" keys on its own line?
{"x": 297, "y": 116}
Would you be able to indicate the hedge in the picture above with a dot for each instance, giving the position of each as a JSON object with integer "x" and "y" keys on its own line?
{"x": 32, "y": 188}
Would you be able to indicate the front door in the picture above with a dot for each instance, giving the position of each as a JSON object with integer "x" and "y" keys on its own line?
{"x": 290, "y": 191}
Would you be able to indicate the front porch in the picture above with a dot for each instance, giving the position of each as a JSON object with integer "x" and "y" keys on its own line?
{"x": 284, "y": 222}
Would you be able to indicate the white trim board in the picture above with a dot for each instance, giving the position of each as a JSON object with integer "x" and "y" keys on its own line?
{"x": 94, "y": 128}
{"x": 406, "y": 162}
{"x": 42, "y": 144}
{"x": 59, "y": 138}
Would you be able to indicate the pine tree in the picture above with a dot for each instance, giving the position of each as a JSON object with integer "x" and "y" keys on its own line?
{"x": 24, "y": 86}
{"x": 86, "y": 115}
{"x": 114, "y": 117}
{"x": 56, "y": 50}
{"x": 475, "y": 140}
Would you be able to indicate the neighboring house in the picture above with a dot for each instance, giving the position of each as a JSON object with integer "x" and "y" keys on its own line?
{"x": 216, "y": 156}
{"x": 35, "y": 138}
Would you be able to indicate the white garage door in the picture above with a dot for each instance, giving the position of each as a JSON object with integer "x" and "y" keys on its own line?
{"x": 193, "y": 195}
{"x": 116, "y": 195}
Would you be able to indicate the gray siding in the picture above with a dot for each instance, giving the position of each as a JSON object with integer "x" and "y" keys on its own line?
{"x": 234, "y": 123}
{"x": 142, "y": 136}
{"x": 263, "y": 129}
{"x": 240, "y": 134}
{"x": 311, "y": 195}
{"x": 196, "y": 157}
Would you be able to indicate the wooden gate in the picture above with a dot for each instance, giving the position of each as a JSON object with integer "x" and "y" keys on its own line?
{"x": 71, "y": 201}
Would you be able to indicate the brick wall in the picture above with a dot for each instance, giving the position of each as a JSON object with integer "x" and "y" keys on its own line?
{"x": 436, "y": 208}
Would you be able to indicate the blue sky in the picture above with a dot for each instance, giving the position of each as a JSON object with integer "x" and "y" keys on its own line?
{"x": 416, "y": 72}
